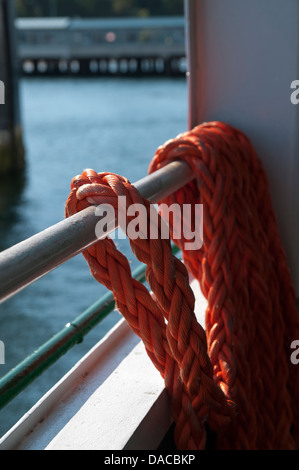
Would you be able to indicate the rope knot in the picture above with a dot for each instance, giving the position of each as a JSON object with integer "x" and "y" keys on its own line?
{"x": 174, "y": 340}
{"x": 241, "y": 356}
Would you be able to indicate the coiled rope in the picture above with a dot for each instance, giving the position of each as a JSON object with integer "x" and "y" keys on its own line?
{"x": 235, "y": 377}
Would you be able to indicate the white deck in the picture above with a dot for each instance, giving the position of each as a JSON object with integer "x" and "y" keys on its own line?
{"x": 113, "y": 399}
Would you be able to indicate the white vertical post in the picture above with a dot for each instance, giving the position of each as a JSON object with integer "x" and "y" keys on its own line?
{"x": 243, "y": 60}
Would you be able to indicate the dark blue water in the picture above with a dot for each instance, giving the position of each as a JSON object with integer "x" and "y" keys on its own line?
{"x": 106, "y": 124}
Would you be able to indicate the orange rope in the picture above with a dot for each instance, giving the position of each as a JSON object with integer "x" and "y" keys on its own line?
{"x": 236, "y": 377}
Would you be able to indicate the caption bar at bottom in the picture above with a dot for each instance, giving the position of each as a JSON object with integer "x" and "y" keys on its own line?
{"x": 150, "y": 459}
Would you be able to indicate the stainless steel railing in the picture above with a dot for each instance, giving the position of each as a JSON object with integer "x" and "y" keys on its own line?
{"x": 31, "y": 259}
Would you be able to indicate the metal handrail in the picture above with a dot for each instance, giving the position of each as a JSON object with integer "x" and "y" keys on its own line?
{"x": 31, "y": 259}
{"x": 46, "y": 250}
{"x": 28, "y": 370}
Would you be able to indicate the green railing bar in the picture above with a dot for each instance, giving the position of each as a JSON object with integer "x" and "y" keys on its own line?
{"x": 18, "y": 378}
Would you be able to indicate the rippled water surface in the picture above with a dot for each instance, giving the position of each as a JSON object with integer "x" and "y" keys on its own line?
{"x": 106, "y": 124}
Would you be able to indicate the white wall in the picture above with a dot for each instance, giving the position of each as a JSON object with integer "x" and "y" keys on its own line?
{"x": 247, "y": 57}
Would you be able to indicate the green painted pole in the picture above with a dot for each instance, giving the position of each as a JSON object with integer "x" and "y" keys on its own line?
{"x": 18, "y": 378}
{"x": 40, "y": 360}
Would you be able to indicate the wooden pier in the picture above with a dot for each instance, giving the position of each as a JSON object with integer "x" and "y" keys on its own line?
{"x": 114, "y": 47}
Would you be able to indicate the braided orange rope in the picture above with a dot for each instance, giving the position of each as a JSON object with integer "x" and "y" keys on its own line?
{"x": 242, "y": 360}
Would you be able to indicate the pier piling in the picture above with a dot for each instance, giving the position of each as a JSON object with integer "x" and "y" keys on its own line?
{"x": 11, "y": 142}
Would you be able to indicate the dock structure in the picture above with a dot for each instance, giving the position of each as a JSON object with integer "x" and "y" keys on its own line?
{"x": 11, "y": 146}
{"x": 118, "y": 46}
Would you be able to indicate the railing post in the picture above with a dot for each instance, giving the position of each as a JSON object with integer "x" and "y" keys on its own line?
{"x": 11, "y": 145}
